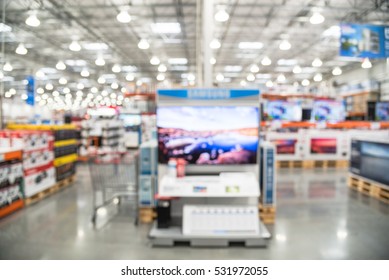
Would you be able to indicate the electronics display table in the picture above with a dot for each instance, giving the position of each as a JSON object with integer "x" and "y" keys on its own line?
{"x": 202, "y": 225}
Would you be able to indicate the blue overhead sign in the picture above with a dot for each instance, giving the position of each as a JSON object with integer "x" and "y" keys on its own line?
{"x": 208, "y": 93}
{"x": 30, "y": 88}
{"x": 364, "y": 40}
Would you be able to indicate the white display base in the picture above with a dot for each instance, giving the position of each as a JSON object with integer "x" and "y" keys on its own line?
{"x": 227, "y": 184}
{"x": 173, "y": 236}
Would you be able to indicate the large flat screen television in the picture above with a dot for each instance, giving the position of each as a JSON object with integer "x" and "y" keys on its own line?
{"x": 208, "y": 135}
{"x": 285, "y": 146}
{"x": 283, "y": 110}
{"x": 323, "y": 145}
{"x": 328, "y": 110}
{"x": 382, "y": 111}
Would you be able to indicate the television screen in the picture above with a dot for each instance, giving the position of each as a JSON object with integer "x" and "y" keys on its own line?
{"x": 372, "y": 159}
{"x": 208, "y": 135}
{"x": 283, "y": 110}
{"x": 328, "y": 110}
{"x": 323, "y": 145}
{"x": 382, "y": 111}
{"x": 285, "y": 146}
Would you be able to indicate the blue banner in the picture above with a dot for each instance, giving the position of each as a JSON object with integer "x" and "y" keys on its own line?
{"x": 30, "y": 88}
{"x": 208, "y": 93}
{"x": 364, "y": 40}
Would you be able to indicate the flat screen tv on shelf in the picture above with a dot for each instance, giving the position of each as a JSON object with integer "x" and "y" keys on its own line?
{"x": 285, "y": 146}
{"x": 382, "y": 111}
{"x": 323, "y": 145}
{"x": 283, "y": 110}
{"x": 208, "y": 135}
{"x": 328, "y": 110}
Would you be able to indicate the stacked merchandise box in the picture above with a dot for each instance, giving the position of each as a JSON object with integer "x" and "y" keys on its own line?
{"x": 11, "y": 180}
{"x": 148, "y": 169}
{"x": 38, "y": 156}
{"x": 148, "y": 127}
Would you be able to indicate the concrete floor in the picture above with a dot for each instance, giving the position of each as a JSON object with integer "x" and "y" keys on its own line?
{"x": 318, "y": 217}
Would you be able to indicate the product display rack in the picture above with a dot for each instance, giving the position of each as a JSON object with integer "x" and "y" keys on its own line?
{"x": 11, "y": 200}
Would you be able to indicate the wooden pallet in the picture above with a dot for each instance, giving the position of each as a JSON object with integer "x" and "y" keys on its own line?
{"x": 49, "y": 191}
{"x": 147, "y": 215}
{"x": 267, "y": 214}
{"x": 369, "y": 188}
{"x": 312, "y": 163}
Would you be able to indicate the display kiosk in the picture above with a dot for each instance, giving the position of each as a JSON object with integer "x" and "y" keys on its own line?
{"x": 215, "y": 132}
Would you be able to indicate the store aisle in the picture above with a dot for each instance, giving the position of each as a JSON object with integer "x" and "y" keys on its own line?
{"x": 318, "y": 218}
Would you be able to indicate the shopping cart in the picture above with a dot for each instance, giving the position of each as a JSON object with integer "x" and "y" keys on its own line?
{"x": 114, "y": 179}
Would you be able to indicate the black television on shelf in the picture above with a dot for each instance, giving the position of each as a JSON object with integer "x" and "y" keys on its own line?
{"x": 204, "y": 135}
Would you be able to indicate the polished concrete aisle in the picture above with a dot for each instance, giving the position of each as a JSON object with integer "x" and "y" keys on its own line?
{"x": 318, "y": 217}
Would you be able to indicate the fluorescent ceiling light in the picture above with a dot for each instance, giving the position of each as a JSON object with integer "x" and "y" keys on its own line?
{"x": 317, "y": 62}
{"x": 246, "y": 55}
{"x": 100, "y": 61}
{"x": 21, "y": 49}
{"x": 143, "y": 44}
{"x": 85, "y": 73}
{"x": 63, "y": 81}
{"x": 7, "y": 67}
{"x": 266, "y": 61}
{"x": 116, "y": 68}
{"x": 220, "y": 77}
{"x": 160, "y": 77}
{"x": 250, "y": 77}
{"x": 285, "y": 45}
{"x": 232, "y": 68}
{"x": 166, "y": 27}
{"x": 49, "y": 86}
{"x": 287, "y": 62}
{"x": 179, "y": 68}
{"x": 123, "y": 16}
{"x": 94, "y": 46}
{"x": 155, "y": 60}
{"x": 309, "y": 70}
{"x": 212, "y": 60}
{"x": 40, "y": 74}
{"x": 297, "y": 69}
{"x": 5, "y": 28}
{"x": 366, "y": 63}
{"x": 130, "y": 77}
{"x": 269, "y": 83}
{"x": 162, "y": 68}
{"x": 222, "y": 15}
{"x": 283, "y": 69}
{"x": 129, "y": 68}
{"x": 101, "y": 80}
{"x": 305, "y": 82}
{"x": 94, "y": 90}
{"x": 215, "y": 44}
{"x": 281, "y": 78}
{"x": 254, "y": 68}
{"x": 243, "y": 83}
{"x": 75, "y": 46}
{"x": 333, "y": 31}
{"x": 80, "y": 86}
{"x": 337, "y": 71}
{"x": 60, "y": 65}
{"x": 33, "y": 20}
{"x": 75, "y": 62}
{"x": 114, "y": 85}
{"x": 318, "y": 77}
{"x": 316, "y": 18}
{"x": 191, "y": 77}
{"x": 181, "y": 60}
{"x": 263, "y": 76}
{"x": 250, "y": 45}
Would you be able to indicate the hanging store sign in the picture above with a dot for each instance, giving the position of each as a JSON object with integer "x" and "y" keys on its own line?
{"x": 364, "y": 40}
{"x": 208, "y": 93}
{"x": 30, "y": 88}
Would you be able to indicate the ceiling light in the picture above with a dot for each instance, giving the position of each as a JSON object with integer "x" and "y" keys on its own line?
{"x": 1, "y": 75}
{"x": 143, "y": 44}
{"x": 7, "y": 67}
{"x": 266, "y": 61}
{"x": 254, "y": 68}
{"x": 95, "y": 46}
{"x": 24, "y": 96}
{"x": 182, "y": 60}
{"x": 114, "y": 85}
{"x": 243, "y": 83}
{"x": 68, "y": 96}
{"x": 219, "y": 77}
{"x": 297, "y": 69}
{"x": 162, "y": 68}
{"x": 123, "y": 16}
{"x": 250, "y": 77}
{"x": 139, "y": 83}
{"x": 222, "y": 15}
{"x": 62, "y": 81}
{"x": 281, "y": 78}
{"x": 60, "y": 65}
{"x": 40, "y": 74}
{"x": 215, "y": 44}
{"x": 233, "y": 68}
{"x": 66, "y": 90}
{"x": 74, "y": 46}
{"x": 366, "y": 63}
{"x": 305, "y": 82}
{"x": 285, "y": 45}
{"x": 155, "y": 60}
{"x": 40, "y": 90}
{"x": 316, "y": 18}
{"x": 337, "y": 71}
{"x": 5, "y": 28}
{"x": 116, "y": 68}
{"x": 287, "y": 62}
{"x": 317, "y": 62}
{"x": 45, "y": 96}
{"x": 80, "y": 86}
{"x": 212, "y": 60}
{"x": 250, "y": 45}
{"x": 166, "y": 27}
{"x": 79, "y": 93}
{"x": 33, "y": 20}
{"x": 85, "y": 73}
{"x": 101, "y": 80}
{"x": 318, "y": 77}
{"x": 21, "y": 49}
{"x": 269, "y": 83}
{"x": 130, "y": 77}
{"x": 160, "y": 77}
{"x": 49, "y": 86}
{"x": 100, "y": 61}
{"x": 123, "y": 90}
{"x": 191, "y": 77}
{"x": 94, "y": 90}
